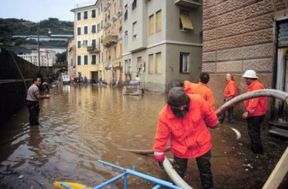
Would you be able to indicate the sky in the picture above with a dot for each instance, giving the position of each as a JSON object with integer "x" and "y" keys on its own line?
{"x": 37, "y": 10}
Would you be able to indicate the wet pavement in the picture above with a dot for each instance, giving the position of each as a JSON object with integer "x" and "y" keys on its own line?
{"x": 80, "y": 124}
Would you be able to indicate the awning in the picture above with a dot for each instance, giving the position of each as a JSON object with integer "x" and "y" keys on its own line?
{"x": 186, "y": 22}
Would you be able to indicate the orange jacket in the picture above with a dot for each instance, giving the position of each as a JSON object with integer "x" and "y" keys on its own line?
{"x": 189, "y": 136}
{"x": 230, "y": 89}
{"x": 202, "y": 89}
{"x": 256, "y": 106}
{"x": 189, "y": 87}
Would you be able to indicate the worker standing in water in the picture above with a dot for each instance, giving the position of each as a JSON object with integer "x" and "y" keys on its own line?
{"x": 32, "y": 100}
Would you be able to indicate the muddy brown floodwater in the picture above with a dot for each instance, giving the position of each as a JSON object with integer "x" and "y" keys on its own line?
{"x": 79, "y": 125}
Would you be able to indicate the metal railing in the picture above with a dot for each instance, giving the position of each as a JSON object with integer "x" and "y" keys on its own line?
{"x": 158, "y": 182}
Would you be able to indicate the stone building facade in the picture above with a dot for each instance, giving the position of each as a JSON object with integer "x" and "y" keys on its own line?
{"x": 240, "y": 35}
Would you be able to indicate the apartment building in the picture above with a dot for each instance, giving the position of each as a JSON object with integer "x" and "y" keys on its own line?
{"x": 241, "y": 35}
{"x": 112, "y": 40}
{"x": 88, "y": 33}
{"x": 47, "y": 57}
{"x": 162, "y": 41}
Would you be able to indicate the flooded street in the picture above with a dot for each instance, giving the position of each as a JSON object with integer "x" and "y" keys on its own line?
{"x": 79, "y": 125}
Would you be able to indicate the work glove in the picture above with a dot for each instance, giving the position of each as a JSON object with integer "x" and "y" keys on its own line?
{"x": 159, "y": 158}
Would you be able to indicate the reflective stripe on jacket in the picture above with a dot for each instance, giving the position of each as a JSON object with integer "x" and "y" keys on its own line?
{"x": 230, "y": 89}
{"x": 189, "y": 136}
{"x": 256, "y": 106}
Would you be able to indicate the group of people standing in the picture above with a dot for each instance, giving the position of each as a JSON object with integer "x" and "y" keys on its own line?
{"x": 190, "y": 110}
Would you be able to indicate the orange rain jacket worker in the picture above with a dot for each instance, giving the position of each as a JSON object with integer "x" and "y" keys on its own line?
{"x": 255, "y": 110}
{"x": 230, "y": 90}
{"x": 188, "y": 132}
{"x": 256, "y": 106}
{"x": 201, "y": 89}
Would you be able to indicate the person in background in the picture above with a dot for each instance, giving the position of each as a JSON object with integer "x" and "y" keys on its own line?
{"x": 202, "y": 89}
{"x": 230, "y": 91}
{"x": 181, "y": 122}
{"x": 255, "y": 110}
{"x": 32, "y": 100}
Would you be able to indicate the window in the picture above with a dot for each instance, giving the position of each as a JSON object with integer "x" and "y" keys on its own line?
{"x": 139, "y": 64}
{"x": 85, "y": 15}
{"x": 184, "y": 62}
{"x": 151, "y": 24}
{"x": 85, "y": 29}
{"x": 134, "y": 4}
{"x": 151, "y": 64}
{"x": 93, "y": 15}
{"x": 93, "y": 43}
{"x": 126, "y": 15}
{"x": 93, "y": 59}
{"x": 126, "y": 38}
{"x": 126, "y": 69}
{"x": 85, "y": 43}
{"x": 93, "y": 28}
{"x": 158, "y": 21}
{"x": 85, "y": 60}
{"x": 79, "y": 16}
{"x": 158, "y": 63}
{"x": 78, "y": 31}
{"x": 79, "y": 44}
{"x": 185, "y": 21}
{"x": 134, "y": 30}
{"x": 78, "y": 60}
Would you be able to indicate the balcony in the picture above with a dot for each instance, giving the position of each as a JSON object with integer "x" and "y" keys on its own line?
{"x": 109, "y": 40}
{"x": 187, "y": 3}
{"x": 93, "y": 50}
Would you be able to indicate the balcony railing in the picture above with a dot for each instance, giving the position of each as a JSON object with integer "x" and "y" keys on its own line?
{"x": 92, "y": 49}
{"x": 188, "y": 3}
{"x": 109, "y": 40}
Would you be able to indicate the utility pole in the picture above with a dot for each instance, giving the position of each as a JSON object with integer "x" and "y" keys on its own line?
{"x": 38, "y": 46}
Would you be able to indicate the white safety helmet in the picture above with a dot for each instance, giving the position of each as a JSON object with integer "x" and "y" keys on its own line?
{"x": 250, "y": 74}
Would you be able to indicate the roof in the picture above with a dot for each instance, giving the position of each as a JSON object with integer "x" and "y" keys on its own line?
{"x": 84, "y": 6}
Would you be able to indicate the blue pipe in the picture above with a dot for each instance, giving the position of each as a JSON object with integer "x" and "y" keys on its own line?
{"x": 110, "y": 180}
{"x": 137, "y": 174}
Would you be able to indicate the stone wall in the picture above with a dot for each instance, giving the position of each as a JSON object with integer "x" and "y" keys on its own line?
{"x": 12, "y": 85}
{"x": 239, "y": 35}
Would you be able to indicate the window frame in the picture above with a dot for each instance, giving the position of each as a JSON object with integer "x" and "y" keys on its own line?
{"x": 93, "y": 13}
{"x": 85, "y": 30}
{"x": 85, "y": 59}
{"x": 79, "y": 60}
{"x": 158, "y": 27}
{"x": 78, "y": 16}
{"x": 184, "y": 70}
{"x": 85, "y": 17}
{"x": 78, "y": 30}
{"x": 93, "y": 59}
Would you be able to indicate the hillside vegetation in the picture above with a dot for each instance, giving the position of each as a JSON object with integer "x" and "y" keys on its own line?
{"x": 12, "y": 26}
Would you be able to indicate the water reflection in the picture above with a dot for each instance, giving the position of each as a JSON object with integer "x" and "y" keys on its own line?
{"x": 80, "y": 124}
